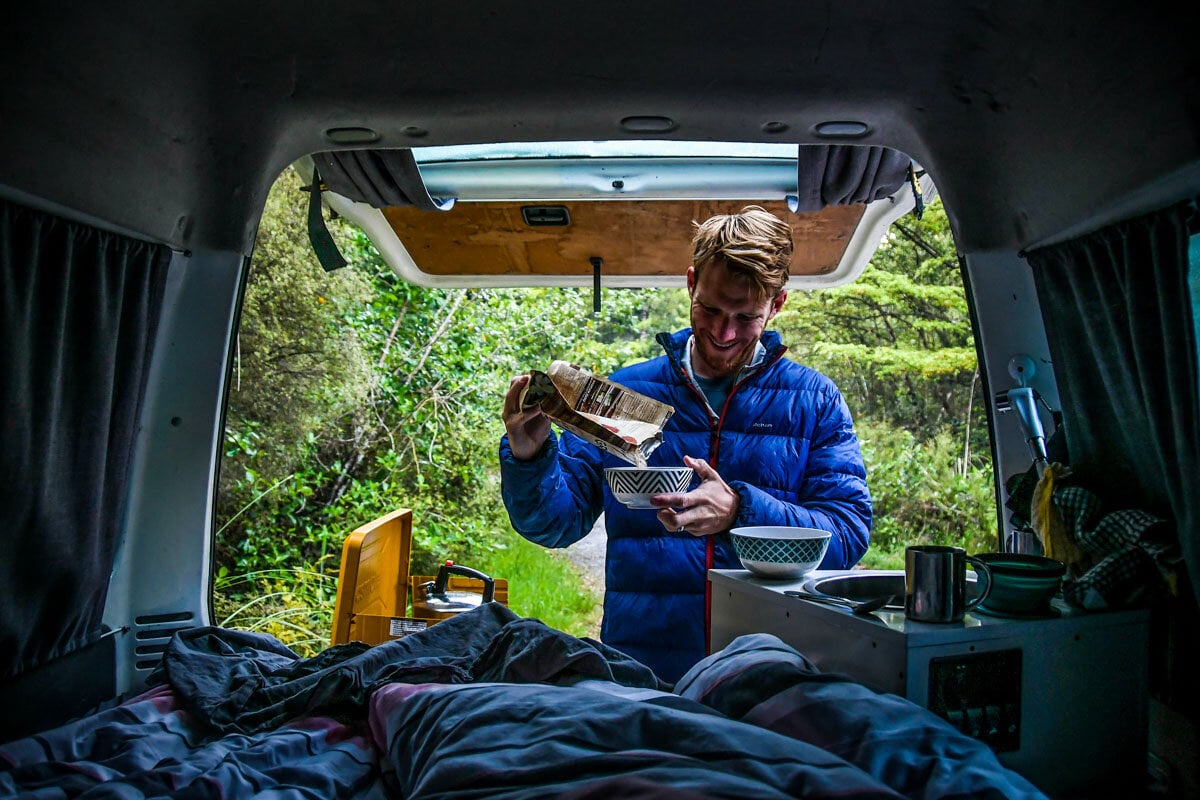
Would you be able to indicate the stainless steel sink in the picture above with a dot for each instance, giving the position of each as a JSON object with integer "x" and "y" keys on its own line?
{"x": 861, "y": 585}
{"x": 866, "y": 584}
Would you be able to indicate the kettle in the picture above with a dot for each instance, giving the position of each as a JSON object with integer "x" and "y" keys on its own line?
{"x": 435, "y": 598}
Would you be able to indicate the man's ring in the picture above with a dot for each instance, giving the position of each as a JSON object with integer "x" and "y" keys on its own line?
{"x": 680, "y": 529}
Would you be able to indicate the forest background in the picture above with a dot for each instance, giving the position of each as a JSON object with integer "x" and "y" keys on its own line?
{"x": 354, "y": 393}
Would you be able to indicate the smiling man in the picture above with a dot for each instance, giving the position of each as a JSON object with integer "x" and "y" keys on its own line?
{"x": 771, "y": 441}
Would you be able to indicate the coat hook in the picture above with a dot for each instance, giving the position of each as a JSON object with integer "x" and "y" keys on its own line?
{"x": 597, "y": 263}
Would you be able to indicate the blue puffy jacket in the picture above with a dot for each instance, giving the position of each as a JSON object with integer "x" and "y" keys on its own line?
{"x": 784, "y": 441}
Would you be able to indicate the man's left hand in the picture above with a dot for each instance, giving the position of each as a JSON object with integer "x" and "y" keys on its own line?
{"x": 709, "y": 508}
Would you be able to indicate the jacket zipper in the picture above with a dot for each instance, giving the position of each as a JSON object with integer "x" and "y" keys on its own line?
{"x": 713, "y": 448}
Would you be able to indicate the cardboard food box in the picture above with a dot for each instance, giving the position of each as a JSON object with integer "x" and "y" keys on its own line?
{"x": 616, "y": 419}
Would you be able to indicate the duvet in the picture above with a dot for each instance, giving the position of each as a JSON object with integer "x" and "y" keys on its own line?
{"x": 491, "y": 705}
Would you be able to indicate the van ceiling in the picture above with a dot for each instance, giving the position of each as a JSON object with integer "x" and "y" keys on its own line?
{"x": 181, "y": 115}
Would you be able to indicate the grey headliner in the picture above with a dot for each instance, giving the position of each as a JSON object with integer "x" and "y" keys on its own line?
{"x": 173, "y": 119}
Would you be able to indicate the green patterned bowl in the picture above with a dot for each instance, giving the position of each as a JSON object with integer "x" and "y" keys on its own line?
{"x": 772, "y": 551}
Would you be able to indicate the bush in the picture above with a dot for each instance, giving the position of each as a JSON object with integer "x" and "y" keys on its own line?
{"x": 924, "y": 493}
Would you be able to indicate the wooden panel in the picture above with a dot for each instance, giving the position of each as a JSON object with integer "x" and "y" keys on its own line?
{"x": 634, "y": 238}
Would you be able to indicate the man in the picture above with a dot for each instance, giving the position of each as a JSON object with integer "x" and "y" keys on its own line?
{"x": 771, "y": 441}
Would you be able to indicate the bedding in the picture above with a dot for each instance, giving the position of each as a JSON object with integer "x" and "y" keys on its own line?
{"x": 490, "y": 705}
{"x": 152, "y": 746}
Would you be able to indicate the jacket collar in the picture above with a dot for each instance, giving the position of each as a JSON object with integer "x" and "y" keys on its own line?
{"x": 770, "y": 347}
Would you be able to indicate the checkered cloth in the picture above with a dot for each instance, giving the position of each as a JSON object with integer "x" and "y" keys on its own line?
{"x": 1132, "y": 550}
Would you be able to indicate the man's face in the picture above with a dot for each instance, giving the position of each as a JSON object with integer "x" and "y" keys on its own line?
{"x": 727, "y": 320}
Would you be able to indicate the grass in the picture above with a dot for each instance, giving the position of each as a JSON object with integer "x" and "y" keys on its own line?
{"x": 296, "y": 605}
{"x": 545, "y": 586}
{"x": 882, "y": 559}
{"x": 293, "y": 605}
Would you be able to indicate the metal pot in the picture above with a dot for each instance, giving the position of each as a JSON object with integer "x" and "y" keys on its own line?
{"x": 436, "y": 599}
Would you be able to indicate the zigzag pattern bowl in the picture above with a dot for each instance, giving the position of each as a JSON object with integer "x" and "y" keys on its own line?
{"x": 772, "y": 551}
{"x": 634, "y": 486}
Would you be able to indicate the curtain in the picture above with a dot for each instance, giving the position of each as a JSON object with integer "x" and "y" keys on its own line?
{"x": 1121, "y": 330}
{"x": 826, "y": 175}
{"x": 78, "y": 312}
{"x": 380, "y": 178}
{"x": 842, "y": 175}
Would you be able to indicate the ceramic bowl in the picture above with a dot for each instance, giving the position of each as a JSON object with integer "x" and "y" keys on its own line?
{"x": 634, "y": 486}
{"x": 1022, "y": 584}
{"x": 780, "y": 552}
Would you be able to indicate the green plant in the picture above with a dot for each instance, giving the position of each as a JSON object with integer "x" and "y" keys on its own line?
{"x": 543, "y": 587}
{"x": 924, "y": 493}
{"x": 293, "y": 605}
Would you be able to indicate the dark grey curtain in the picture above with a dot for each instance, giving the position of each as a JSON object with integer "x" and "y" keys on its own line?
{"x": 841, "y": 175}
{"x": 381, "y": 178}
{"x": 1121, "y": 329}
{"x": 78, "y": 311}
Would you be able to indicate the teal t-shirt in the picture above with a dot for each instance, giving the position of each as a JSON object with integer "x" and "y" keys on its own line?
{"x": 716, "y": 391}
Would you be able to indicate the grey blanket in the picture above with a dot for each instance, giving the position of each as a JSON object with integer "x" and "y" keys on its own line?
{"x": 490, "y": 705}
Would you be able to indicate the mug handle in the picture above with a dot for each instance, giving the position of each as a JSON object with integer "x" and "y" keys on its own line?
{"x": 981, "y": 571}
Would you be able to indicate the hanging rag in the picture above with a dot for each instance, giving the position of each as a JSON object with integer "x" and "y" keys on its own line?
{"x": 1047, "y": 522}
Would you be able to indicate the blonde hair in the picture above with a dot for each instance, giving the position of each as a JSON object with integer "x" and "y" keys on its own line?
{"x": 753, "y": 243}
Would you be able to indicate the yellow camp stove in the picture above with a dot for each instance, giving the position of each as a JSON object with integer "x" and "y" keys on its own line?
{"x": 375, "y": 585}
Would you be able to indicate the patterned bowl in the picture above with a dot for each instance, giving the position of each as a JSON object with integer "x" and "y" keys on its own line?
{"x": 773, "y": 551}
{"x": 634, "y": 486}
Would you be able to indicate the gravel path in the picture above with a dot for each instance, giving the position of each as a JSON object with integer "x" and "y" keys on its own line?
{"x": 588, "y": 555}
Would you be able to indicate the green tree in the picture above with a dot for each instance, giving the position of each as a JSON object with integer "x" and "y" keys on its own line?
{"x": 898, "y": 343}
{"x": 355, "y": 393}
{"x": 898, "y": 339}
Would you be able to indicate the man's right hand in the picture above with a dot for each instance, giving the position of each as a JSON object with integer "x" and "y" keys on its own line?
{"x": 528, "y": 429}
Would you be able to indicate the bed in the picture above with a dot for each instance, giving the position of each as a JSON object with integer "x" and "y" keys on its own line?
{"x": 491, "y": 705}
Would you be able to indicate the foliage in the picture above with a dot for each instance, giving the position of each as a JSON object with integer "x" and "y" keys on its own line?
{"x": 544, "y": 586}
{"x": 295, "y": 367}
{"x": 358, "y": 393}
{"x": 898, "y": 342}
{"x": 923, "y": 493}
{"x": 296, "y": 605}
{"x": 293, "y": 605}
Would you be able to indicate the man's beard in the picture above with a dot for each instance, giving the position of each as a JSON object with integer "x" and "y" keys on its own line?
{"x": 721, "y": 363}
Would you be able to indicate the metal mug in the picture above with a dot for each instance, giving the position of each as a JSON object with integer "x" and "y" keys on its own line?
{"x": 935, "y": 583}
{"x": 1023, "y": 541}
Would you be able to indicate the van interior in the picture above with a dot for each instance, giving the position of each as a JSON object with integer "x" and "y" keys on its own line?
{"x": 492, "y": 146}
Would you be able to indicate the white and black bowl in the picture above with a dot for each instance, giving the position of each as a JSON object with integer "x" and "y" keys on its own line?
{"x": 634, "y": 486}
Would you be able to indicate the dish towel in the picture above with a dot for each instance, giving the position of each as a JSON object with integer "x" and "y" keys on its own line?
{"x": 1112, "y": 556}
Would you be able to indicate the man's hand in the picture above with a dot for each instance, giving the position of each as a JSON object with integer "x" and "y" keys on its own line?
{"x": 709, "y": 508}
{"x": 528, "y": 429}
